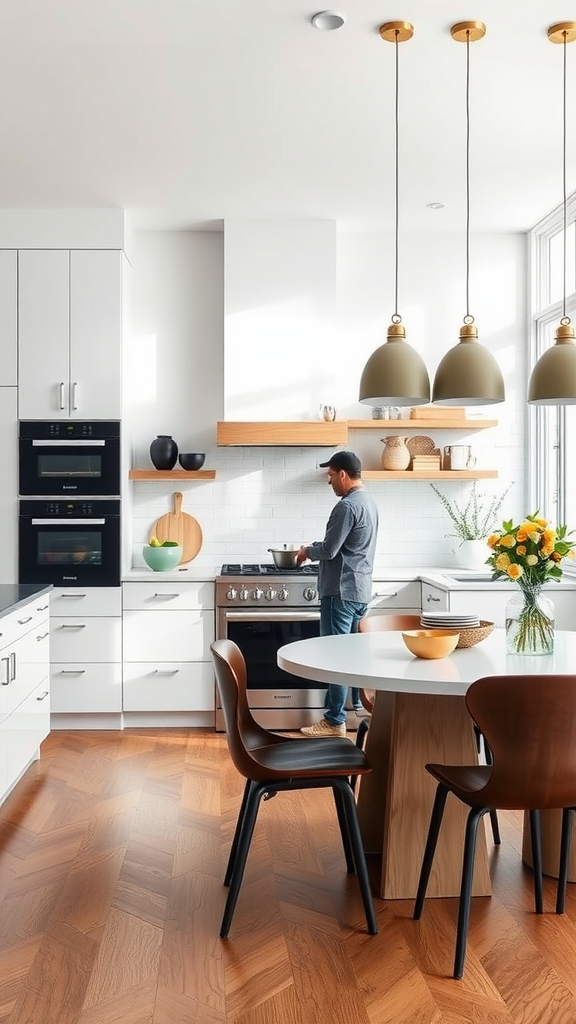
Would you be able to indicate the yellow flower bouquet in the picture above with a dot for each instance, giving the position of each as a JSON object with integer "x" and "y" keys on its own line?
{"x": 530, "y": 554}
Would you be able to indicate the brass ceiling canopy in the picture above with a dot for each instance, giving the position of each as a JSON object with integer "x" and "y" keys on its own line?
{"x": 468, "y": 374}
{"x": 395, "y": 373}
{"x": 553, "y": 379}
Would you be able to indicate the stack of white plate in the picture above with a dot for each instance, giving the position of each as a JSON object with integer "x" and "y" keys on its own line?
{"x": 448, "y": 620}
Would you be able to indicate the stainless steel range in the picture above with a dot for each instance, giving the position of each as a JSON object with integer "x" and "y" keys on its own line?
{"x": 261, "y": 608}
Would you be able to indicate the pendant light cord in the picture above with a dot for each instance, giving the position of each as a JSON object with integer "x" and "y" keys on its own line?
{"x": 565, "y": 319}
{"x": 468, "y": 319}
{"x": 396, "y": 318}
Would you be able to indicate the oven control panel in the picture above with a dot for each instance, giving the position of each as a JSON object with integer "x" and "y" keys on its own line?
{"x": 265, "y": 594}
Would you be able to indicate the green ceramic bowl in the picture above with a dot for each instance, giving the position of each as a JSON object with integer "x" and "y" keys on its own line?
{"x": 161, "y": 559}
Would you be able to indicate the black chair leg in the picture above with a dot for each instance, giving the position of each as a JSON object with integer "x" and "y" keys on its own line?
{"x": 349, "y": 806}
{"x": 537, "y": 860}
{"x": 363, "y": 726}
{"x": 474, "y": 816}
{"x": 481, "y": 744}
{"x": 495, "y": 827}
{"x": 255, "y": 794}
{"x": 565, "y": 842}
{"x": 430, "y": 848}
{"x": 344, "y": 829}
{"x": 237, "y": 832}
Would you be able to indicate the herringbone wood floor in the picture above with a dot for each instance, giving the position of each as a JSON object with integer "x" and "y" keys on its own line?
{"x": 112, "y": 852}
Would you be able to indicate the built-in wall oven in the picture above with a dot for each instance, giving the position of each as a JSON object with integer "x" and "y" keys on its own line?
{"x": 262, "y": 608}
{"x": 69, "y": 458}
{"x": 69, "y": 543}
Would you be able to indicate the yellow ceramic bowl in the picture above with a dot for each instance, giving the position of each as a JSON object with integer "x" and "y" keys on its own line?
{"x": 431, "y": 643}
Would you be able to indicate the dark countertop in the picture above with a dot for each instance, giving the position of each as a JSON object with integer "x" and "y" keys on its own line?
{"x": 13, "y": 595}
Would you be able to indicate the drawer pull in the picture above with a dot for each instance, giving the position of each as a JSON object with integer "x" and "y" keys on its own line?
{"x": 72, "y": 597}
{"x": 165, "y": 672}
{"x": 165, "y": 597}
{"x": 42, "y": 637}
{"x": 43, "y": 695}
{"x": 387, "y": 594}
{"x": 73, "y": 625}
{"x": 432, "y": 598}
{"x": 72, "y": 671}
{"x": 42, "y": 608}
{"x": 22, "y": 622}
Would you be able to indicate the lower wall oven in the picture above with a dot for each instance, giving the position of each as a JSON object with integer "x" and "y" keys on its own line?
{"x": 261, "y": 608}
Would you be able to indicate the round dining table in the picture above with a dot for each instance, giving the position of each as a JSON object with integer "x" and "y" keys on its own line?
{"x": 420, "y": 716}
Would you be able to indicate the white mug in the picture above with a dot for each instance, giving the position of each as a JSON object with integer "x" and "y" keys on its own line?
{"x": 461, "y": 456}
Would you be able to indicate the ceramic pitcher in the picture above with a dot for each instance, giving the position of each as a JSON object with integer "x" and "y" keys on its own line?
{"x": 396, "y": 454}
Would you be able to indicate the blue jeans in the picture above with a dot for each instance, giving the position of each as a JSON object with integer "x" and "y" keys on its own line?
{"x": 338, "y": 616}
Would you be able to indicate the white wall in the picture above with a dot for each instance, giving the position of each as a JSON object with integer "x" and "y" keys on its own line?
{"x": 261, "y": 497}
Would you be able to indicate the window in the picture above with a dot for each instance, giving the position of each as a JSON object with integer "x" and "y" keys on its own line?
{"x": 552, "y": 429}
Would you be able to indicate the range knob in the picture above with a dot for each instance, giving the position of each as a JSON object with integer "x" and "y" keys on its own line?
{"x": 257, "y": 593}
{"x": 310, "y": 594}
{"x": 243, "y": 595}
{"x": 282, "y": 594}
{"x": 231, "y": 594}
{"x": 270, "y": 594}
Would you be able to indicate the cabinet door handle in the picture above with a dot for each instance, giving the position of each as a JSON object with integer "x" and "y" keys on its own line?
{"x": 432, "y": 598}
{"x": 41, "y": 608}
{"x": 165, "y": 672}
{"x": 74, "y": 386}
{"x": 42, "y": 637}
{"x": 72, "y": 671}
{"x": 73, "y": 625}
{"x": 4, "y": 671}
{"x": 61, "y": 389}
{"x": 12, "y": 666}
{"x": 22, "y": 622}
{"x": 43, "y": 695}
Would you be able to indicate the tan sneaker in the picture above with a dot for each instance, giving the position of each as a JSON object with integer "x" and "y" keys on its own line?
{"x": 324, "y": 728}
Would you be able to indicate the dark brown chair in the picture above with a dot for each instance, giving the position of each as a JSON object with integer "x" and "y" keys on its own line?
{"x": 530, "y": 725}
{"x": 272, "y": 763}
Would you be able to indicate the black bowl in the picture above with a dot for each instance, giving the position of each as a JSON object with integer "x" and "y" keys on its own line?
{"x": 191, "y": 460}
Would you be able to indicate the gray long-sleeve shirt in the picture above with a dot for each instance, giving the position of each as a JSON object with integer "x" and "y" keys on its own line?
{"x": 346, "y": 555}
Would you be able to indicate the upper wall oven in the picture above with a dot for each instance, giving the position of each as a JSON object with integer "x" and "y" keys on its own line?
{"x": 70, "y": 459}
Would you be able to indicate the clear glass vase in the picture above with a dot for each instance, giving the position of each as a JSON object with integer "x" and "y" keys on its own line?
{"x": 529, "y": 622}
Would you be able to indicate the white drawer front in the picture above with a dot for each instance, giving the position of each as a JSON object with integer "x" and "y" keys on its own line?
{"x": 86, "y": 639}
{"x": 20, "y": 622}
{"x": 25, "y": 729}
{"x": 169, "y": 686}
{"x": 395, "y": 595}
{"x": 86, "y": 687}
{"x": 157, "y": 636}
{"x": 27, "y": 666}
{"x": 87, "y": 601}
{"x": 167, "y": 596}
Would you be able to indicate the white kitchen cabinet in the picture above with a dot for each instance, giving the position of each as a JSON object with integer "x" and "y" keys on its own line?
{"x": 489, "y": 602}
{"x": 24, "y": 688}
{"x": 70, "y": 333}
{"x": 8, "y": 318}
{"x": 9, "y": 485}
{"x": 396, "y": 596}
{"x": 167, "y": 632}
{"x": 86, "y": 669}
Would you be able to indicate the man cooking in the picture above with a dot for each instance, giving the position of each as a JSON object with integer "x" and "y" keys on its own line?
{"x": 346, "y": 560}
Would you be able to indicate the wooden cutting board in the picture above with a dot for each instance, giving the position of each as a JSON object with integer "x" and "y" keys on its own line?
{"x": 182, "y": 528}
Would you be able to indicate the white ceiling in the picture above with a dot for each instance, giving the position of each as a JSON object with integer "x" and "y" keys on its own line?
{"x": 185, "y": 112}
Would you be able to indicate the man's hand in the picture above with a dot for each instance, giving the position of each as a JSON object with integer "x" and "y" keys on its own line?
{"x": 301, "y": 555}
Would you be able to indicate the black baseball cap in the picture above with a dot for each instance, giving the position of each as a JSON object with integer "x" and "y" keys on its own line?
{"x": 347, "y": 461}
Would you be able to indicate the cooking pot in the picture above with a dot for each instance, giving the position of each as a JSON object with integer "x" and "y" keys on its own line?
{"x": 285, "y": 557}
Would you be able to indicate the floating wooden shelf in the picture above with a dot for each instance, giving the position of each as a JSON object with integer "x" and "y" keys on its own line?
{"x": 282, "y": 434}
{"x": 436, "y": 423}
{"x": 432, "y": 474}
{"x": 172, "y": 474}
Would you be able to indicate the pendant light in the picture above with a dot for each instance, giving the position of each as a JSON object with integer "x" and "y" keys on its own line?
{"x": 395, "y": 373}
{"x": 468, "y": 374}
{"x": 553, "y": 379}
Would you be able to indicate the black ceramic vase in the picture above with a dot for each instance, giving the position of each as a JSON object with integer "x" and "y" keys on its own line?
{"x": 164, "y": 452}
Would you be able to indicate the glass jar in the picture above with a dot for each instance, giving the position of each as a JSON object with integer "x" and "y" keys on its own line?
{"x": 529, "y": 622}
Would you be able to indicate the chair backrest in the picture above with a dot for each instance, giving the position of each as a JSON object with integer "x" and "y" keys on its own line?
{"x": 242, "y": 731}
{"x": 529, "y": 723}
{"x": 378, "y": 622}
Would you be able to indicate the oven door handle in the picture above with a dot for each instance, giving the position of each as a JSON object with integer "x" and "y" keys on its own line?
{"x": 81, "y": 442}
{"x": 68, "y": 522}
{"x": 272, "y": 616}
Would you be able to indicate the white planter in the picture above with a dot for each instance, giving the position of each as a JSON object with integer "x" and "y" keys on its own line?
{"x": 472, "y": 554}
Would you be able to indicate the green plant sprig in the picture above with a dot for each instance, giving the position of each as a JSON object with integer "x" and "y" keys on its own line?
{"x": 473, "y": 521}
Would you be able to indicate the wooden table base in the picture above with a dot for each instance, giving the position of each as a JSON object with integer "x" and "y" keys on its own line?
{"x": 395, "y": 800}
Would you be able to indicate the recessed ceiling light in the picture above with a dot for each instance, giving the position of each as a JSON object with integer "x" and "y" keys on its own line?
{"x": 435, "y": 206}
{"x": 327, "y": 21}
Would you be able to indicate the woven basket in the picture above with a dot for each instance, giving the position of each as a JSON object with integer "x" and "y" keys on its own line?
{"x": 470, "y": 637}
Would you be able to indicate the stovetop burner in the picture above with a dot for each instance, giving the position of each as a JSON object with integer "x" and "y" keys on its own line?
{"x": 268, "y": 569}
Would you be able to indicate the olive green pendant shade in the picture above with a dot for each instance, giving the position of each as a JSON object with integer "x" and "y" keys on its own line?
{"x": 395, "y": 373}
{"x": 553, "y": 379}
{"x": 468, "y": 374}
